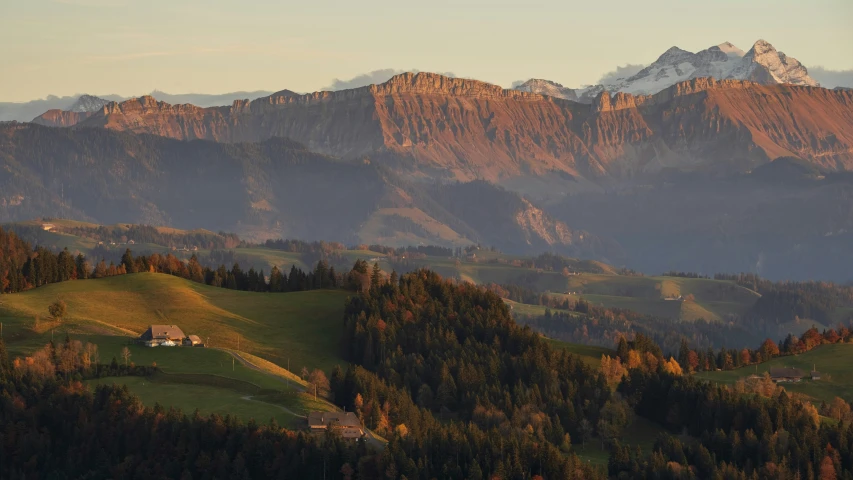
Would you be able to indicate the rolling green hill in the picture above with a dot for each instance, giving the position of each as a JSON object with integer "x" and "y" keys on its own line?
{"x": 832, "y": 361}
{"x": 298, "y": 326}
{"x": 302, "y": 328}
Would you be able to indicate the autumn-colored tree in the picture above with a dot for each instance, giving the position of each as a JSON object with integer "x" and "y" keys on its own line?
{"x": 827, "y": 469}
{"x": 634, "y": 360}
{"x": 672, "y": 367}
{"x": 692, "y": 360}
{"x": 317, "y": 379}
{"x": 769, "y": 349}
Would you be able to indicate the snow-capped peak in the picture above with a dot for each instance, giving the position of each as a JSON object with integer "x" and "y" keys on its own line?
{"x": 762, "y": 64}
{"x": 547, "y": 87}
{"x": 731, "y": 50}
{"x": 88, "y": 103}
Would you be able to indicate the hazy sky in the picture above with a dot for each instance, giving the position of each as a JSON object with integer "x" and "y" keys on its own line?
{"x": 131, "y": 47}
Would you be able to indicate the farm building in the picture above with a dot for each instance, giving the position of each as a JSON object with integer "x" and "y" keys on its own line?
{"x": 193, "y": 341}
{"x": 786, "y": 375}
{"x": 162, "y": 333}
{"x": 345, "y": 423}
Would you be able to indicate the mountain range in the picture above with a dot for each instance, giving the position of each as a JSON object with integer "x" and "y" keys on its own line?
{"x": 430, "y": 127}
{"x": 749, "y": 172}
{"x": 761, "y": 64}
{"x": 26, "y": 111}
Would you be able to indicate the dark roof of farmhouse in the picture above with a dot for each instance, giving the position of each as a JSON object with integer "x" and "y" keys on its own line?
{"x": 786, "y": 372}
{"x": 156, "y": 332}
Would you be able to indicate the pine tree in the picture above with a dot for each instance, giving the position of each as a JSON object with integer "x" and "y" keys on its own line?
{"x": 376, "y": 276}
{"x": 128, "y": 261}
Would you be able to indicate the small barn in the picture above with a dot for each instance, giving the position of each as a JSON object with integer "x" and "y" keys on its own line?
{"x": 162, "y": 333}
{"x": 192, "y": 341}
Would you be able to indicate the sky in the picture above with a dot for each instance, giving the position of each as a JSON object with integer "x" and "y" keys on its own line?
{"x": 131, "y": 47}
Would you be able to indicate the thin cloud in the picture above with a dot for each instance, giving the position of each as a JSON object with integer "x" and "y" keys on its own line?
{"x": 517, "y": 83}
{"x": 832, "y": 78}
{"x": 371, "y": 78}
{"x": 620, "y": 73}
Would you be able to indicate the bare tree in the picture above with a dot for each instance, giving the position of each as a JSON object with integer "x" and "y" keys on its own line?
{"x": 318, "y": 380}
{"x": 125, "y": 354}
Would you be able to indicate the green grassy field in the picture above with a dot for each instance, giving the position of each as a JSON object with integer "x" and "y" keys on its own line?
{"x": 302, "y": 327}
{"x": 589, "y": 353}
{"x": 641, "y": 432}
{"x": 209, "y": 399}
{"x": 266, "y": 258}
{"x": 832, "y": 361}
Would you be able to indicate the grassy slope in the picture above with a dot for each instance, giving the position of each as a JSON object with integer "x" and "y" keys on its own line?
{"x": 301, "y": 326}
{"x": 207, "y": 399}
{"x": 713, "y": 298}
{"x": 641, "y": 432}
{"x": 374, "y": 229}
{"x": 833, "y": 361}
{"x": 589, "y": 353}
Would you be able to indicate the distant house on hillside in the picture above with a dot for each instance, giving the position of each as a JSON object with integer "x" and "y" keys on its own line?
{"x": 791, "y": 375}
{"x": 192, "y": 341}
{"x": 345, "y": 423}
{"x": 162, "y": 333}
{"x": 47, "y": 227}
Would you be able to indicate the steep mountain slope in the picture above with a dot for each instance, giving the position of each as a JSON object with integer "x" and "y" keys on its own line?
{"x": 276, "y": 188}
{"x": 430, "y": 126}
{"x": 762, "y": 64}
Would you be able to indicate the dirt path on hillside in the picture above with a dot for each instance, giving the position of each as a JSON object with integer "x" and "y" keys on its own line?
{"x": 248, "y": 364}
{"x": 371, "y": 437}
{"x": 283, "y": 408}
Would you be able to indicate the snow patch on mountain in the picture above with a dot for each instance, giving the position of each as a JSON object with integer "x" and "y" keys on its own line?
{"x": 547, "y": 87}
{"x": 88, "y": 103}
{"x": 762, "y": 64}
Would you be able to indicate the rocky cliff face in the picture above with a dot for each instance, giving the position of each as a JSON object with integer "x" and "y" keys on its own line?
{"x": 61, "y": 118}
{"x": 431, "y": 125}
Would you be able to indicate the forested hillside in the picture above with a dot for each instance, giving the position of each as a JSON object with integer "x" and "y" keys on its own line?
{"x": 273, "y": 189}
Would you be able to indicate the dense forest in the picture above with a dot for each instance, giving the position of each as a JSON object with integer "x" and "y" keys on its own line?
{"x": 424, "y": 349}
{"x": 732, "y": 435}
{"x": 456, "y": 386}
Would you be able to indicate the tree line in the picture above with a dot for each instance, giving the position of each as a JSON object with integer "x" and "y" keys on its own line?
{"x": 729, "y": 359}
{"x": 23, "y": 268}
